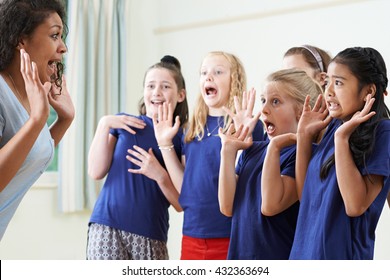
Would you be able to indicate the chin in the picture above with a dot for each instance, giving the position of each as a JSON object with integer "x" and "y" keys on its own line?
{"x": 334, "y": 115}
{"x": 270, "y": 136}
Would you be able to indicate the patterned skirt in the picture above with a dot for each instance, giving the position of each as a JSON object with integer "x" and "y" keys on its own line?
{"x": 106, "y": 243}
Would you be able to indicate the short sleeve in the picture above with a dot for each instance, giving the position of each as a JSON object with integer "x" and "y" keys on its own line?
{"x": 378, "y": 162}
{"x": 114, "y": 131}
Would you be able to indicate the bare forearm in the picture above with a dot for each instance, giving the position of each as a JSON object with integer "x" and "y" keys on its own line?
{"x": 227, "y": 182}
{"x": 58, "y": 129}
{"x": 303, "y": 156}
{"x": 169, "y": 191}
{"x": 351, "y": 183}
{"x": 174, "y": 167}
{"x": 100, "y": 152}
{"x": 272, "y": 190}
{"x": 278, "y": 191}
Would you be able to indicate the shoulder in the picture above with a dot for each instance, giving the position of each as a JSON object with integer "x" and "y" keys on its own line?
{"x": 258, "y": 133}
{"x": 130, "y": 115}
{"x": 6, "y": 99}
{"x": 3, "y": 90}
{"x": 256, "y": 148}
{"x": 289, "y": 149}
{"x": 384, "y": 125}
{"x": 382, "y": 132}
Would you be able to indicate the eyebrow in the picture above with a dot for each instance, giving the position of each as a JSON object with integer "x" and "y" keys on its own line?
{"x": 162, "y": 82}
{"x": 56, "y": 26}
{"x": 214, "y": 66}
{"x": 336, "y": 77}
{"x": 221, "y": 65}
{"x": 273, "y": 95}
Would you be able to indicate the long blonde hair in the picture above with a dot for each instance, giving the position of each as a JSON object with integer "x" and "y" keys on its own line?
{"x": 237, "y": 86}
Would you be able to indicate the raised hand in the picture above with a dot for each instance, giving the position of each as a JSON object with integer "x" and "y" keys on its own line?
{"x": 313, "y": 121}
{"x": 348, "y": 127}
{"x": 37, "y": 93}
{"x": 147, "y": 162}
{"x": 239, "y": 140}
{"x": 151, "y": 168}
{"x": 162, "y": 121}
{"x": 244, "y": 111}
{"x": 122, "y": 122}
{"x": 61, "y": 102}
{"x": 284, "y": 140}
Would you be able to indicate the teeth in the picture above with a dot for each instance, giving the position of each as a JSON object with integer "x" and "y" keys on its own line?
{"x": 333, "y": 105}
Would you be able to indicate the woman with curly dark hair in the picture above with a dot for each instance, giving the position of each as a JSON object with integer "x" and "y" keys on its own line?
{"x": 31, "y": 80}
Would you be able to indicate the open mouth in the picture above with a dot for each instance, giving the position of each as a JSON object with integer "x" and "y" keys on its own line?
{"x": 270, "y": 127}
{"x": 211, "y": 91}
{"x": 157, "y": 102}
{"x": 52, "y": 70}
{"x": 333, "y": 106}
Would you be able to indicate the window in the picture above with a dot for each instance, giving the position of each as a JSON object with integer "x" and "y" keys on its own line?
{"x": 54, "y": 164}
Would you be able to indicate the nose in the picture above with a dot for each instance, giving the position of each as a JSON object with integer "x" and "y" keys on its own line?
{"x": 209, "y": 77}
{"x": 329, "y": 89}
{"x": 264, "y": 108}
{"x": 156, "y": 91}
{"x": 62, "y": 47}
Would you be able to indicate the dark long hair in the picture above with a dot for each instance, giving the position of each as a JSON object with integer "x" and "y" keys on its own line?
{"x": 20, "y": 18}
{"x": 368, "y": 66}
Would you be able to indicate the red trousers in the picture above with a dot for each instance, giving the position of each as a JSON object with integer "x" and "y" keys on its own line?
{"x": 204, "y": 249}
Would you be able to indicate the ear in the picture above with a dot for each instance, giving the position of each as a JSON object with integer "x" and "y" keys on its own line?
{"x": 371, "y": 89}
{"x": 299, "y": 113}
{"x": 21, "y": 44}
{"x": 321, "y": 78}
{"x": 182, "y": 96}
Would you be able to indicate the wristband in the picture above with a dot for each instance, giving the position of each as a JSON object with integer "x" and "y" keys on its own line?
{"x": 169, "y": 148}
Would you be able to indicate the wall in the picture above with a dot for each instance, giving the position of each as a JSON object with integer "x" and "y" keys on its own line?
{"x": 258, "y": 32}
{"x": 38, "y": 231}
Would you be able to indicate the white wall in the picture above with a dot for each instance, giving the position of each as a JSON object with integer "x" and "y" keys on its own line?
{"x": 258, "y": 32}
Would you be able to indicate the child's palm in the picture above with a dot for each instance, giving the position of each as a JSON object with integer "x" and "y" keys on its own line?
{"x": 163, "y": 129}
{"x": 312, "y": 121}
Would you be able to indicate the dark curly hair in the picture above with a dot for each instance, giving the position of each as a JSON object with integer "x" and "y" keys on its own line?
{"x": 368, "y": 66}
{"x": 20, "y": 18}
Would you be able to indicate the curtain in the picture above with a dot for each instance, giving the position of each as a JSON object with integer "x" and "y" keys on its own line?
{"x": 95, "y": 73}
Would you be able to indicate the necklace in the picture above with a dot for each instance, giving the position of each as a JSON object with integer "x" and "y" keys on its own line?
{"x": 210, "y": 133}
{"x": 13, "y": 83}
{"x": 17, "y": 91}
